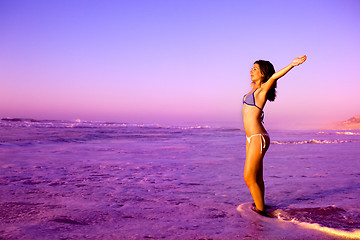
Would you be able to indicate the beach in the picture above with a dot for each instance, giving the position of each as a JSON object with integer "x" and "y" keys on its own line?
{"x": 105, "y": 180}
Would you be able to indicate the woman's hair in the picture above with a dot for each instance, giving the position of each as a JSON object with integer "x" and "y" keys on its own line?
{"x": 267, "y": 69}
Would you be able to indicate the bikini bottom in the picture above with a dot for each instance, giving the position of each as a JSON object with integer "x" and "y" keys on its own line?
{"x": 263, "y": 141}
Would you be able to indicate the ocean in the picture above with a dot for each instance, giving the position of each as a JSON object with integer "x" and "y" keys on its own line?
{"x": 107, "y": 180}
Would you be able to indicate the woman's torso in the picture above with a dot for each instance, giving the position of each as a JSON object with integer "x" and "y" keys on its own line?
{"x": 252, "y": 114}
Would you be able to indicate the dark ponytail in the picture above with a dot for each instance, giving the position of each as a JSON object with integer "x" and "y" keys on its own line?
{"x": 267, "y": 69}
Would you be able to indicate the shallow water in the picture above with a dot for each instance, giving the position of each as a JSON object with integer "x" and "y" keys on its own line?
{"x": 96, "y": 180}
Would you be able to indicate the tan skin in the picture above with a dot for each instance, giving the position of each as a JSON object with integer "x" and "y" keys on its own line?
{"x": 253, "y": 170}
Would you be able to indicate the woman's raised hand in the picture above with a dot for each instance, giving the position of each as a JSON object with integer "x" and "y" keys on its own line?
{"x": 298, "y": 61}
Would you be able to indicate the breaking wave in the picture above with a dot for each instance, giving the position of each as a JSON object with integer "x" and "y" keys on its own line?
{"x": 347, "y": 133}
{"x": 331, "y": 220}
{"x": 312, "y": 141}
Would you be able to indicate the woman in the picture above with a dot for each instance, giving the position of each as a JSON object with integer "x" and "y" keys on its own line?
{"x": 263, "y": 84}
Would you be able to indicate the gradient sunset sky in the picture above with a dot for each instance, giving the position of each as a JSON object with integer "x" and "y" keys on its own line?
{"x": 177, "y": 62}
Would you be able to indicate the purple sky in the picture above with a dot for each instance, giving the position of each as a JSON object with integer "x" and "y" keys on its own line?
{"x": 177, "y": 62}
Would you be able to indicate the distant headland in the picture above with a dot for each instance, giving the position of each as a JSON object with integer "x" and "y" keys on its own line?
{"x": 350, "y": 124}
{"x": 19, "y": 119}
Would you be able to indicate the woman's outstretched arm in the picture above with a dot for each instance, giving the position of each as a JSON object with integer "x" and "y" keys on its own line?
{"x": 282, "y": 72}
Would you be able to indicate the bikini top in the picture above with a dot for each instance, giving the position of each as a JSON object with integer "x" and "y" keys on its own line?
{"x": 250, "y": 100}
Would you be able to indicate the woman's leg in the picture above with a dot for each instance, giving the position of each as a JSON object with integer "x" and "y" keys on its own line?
{"x": 260, "y": 180}
{"x": 253, "y": 170}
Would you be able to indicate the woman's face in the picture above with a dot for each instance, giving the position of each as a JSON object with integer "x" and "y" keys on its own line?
{"x": 255, "y": 73}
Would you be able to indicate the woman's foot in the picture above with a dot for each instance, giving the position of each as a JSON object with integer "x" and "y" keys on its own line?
{"x": 262, "y": 213}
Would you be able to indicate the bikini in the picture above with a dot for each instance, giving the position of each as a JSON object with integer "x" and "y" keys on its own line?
{"x": 250, "y": 100}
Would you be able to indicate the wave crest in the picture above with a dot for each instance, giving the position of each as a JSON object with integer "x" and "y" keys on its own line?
{"x": 311, "y": 141}
{"x": 347, "y": 133}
